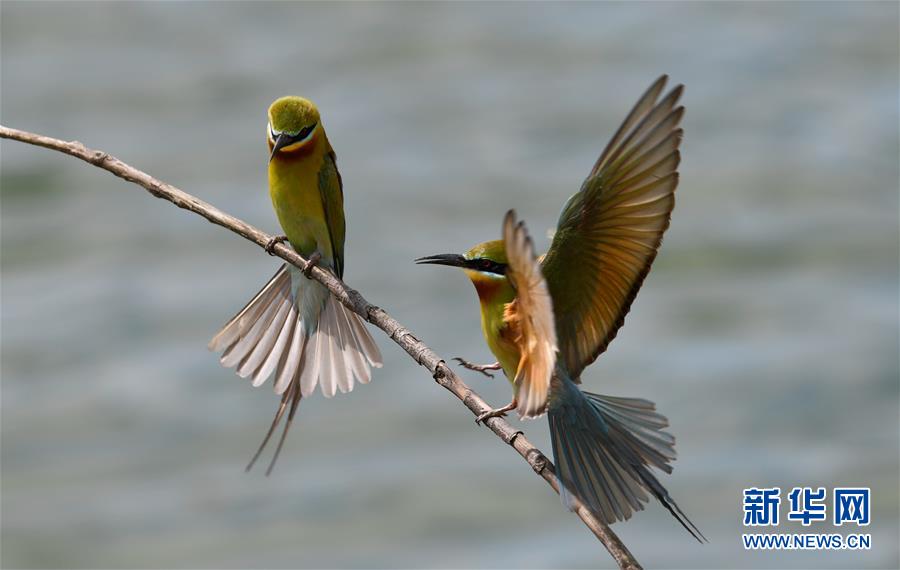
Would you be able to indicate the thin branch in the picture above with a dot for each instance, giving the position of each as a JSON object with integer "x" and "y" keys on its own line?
{"x": 420, "y": 352}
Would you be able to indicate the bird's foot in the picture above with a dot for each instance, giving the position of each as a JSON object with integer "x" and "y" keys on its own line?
{"x": 313, "y": 261}
{"x": 270, "y": 245}
{"x": 498, "y": 413}
{"x": 483, "y": 368}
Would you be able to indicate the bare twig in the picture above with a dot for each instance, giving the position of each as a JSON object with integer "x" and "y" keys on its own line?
{"x": 420, "y": 352}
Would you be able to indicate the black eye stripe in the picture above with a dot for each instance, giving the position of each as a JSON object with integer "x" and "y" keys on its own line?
{"x": 487, "y": 265}
{"x": 293, "y": 138}
{"x": 303, "y": 133}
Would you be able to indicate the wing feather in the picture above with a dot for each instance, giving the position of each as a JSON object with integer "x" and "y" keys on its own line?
{"x": 331, "y": 189}
{"x": 609, "y": 232}
{"x": 532, "y": 315}
{"x": 644, "y": 104}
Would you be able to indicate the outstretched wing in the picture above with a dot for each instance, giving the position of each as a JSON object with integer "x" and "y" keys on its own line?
{"x": 609, "y": 232}
{"x": 331, "y": 188}
{"x": 531, "y": 317}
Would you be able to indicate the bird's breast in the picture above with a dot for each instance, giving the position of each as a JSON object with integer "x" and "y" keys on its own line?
{"x": 500, "y": 334}
{"x": 297, "y": 199}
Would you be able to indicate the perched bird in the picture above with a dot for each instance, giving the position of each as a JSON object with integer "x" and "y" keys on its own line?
{"x": 607, "y": 237}
{"x": 294, "y": 327}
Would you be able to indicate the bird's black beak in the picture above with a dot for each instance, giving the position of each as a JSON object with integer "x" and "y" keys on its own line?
{"x": 451, "y": 259}
{"x": 282, "y": 141}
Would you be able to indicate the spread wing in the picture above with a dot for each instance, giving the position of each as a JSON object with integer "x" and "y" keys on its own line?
{"x": 609, "y": 232}
{"x": 531, "y": 316}
{"x": 331, "y": 189}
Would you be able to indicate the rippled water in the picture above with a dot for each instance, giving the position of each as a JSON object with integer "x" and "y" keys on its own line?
{"x": 767, "y": 331}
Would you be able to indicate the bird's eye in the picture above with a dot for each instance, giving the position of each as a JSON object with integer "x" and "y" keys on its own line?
{"x": 486, "y": 264}
{"x": 305, "y": 132}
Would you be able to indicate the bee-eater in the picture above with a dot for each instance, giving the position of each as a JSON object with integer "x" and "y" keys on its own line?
{"x": 294, "y": 327}
{"x": 607, "y": 237}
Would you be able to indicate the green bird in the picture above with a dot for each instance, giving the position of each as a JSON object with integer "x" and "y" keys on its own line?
{"x": 607, "y": 237}
{"x": 294, "y": 328}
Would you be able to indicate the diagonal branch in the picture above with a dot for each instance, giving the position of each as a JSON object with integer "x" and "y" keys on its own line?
{"x": 420, "y": 352}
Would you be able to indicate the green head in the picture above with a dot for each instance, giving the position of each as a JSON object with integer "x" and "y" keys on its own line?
{"x": 293, "y": 124}
{"x": 485, "y": 264}
{"x": 488, "y": 258}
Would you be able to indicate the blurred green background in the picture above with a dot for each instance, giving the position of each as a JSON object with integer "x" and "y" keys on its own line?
{"x": 767, "y": 331}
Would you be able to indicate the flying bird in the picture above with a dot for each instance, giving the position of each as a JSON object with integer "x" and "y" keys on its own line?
{"x": 294, "y": 330}
{"x": 606, "y": 240}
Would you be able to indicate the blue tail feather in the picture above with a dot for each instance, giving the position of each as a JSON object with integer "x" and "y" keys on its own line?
{"x": 604, "y": 448}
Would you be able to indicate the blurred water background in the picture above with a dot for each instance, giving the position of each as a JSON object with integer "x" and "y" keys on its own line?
{"x": 767, "y": 331}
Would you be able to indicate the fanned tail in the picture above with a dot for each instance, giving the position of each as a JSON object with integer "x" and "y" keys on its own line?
{"x": 604, "y": 447}
{"x": 297, "y": 330}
